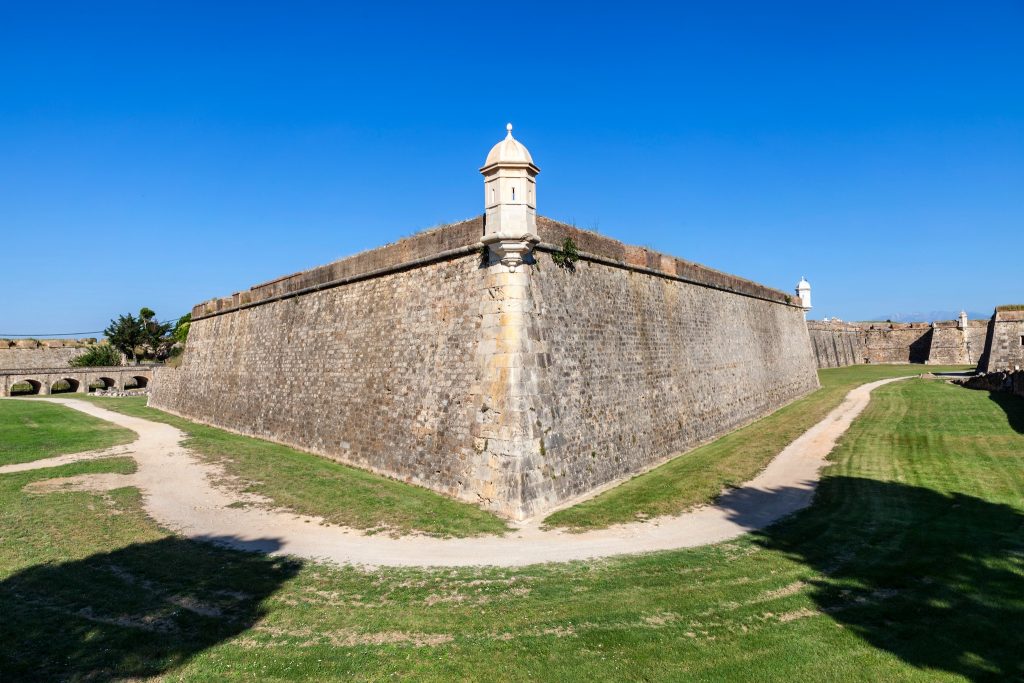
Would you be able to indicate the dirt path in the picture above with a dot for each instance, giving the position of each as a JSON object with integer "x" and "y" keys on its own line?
{"x": 59, "y": 460}
{"x": 179, "y": 494}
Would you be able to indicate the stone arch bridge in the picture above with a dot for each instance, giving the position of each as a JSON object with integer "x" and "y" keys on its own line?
{"x": 79, "y": 379}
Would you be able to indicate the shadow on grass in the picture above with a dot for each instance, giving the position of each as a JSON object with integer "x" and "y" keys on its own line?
{"x": 1000, "y": 387}
{"x": 935, "y": 579}
{"x": 135, "y": 612}
{"x": 1013, "y": 406}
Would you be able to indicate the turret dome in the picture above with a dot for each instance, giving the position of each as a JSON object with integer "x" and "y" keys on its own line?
{"x": 803, "y": 292}
{"x": 508, "y": 152}
{"x": 510, "y": 201}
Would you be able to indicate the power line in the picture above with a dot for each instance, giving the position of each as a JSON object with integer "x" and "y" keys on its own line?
{"x": 70, "y": 334}
{"x": 47, "y": 334}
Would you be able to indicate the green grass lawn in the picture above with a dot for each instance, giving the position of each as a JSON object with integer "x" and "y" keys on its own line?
{"x": 29, "y": 431}
{"x": 908, "y": 567}
{"x": 700, "y": 475}
{"x": 314, "y": 485}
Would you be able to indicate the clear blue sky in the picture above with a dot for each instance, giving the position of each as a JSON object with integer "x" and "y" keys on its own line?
{"x": 160, "y": 154}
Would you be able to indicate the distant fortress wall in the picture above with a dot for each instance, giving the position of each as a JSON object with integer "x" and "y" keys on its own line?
{"x": 953, "y": 345}
{"x": 838, "y": 344}
{"x": 428, "y": 361}
{"x": 897, "y": 342}
{"x": 46, "y": 353}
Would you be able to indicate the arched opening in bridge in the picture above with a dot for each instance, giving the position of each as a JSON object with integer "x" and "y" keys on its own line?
{"x": 102, "y": 383}
{"x": 140, "y": 382}
{"x": 64, "y": 386}
{"x": 26, "y": 387}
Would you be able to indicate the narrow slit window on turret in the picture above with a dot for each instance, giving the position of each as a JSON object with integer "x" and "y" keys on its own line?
{"x": 513, "y": 193}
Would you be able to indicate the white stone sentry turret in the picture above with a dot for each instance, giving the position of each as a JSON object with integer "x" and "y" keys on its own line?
{"x": 803, "y": 292}
{"x": 510, "y": 201}
{"x": 963, "y": 320}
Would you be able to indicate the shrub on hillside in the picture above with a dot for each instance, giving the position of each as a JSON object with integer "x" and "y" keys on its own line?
{"x": 101, "y": 355}
{"x": 180, "y": 333}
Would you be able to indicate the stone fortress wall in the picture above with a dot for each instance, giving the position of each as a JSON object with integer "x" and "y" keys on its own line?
{"x": 45, "y": 353}
{"x": 648, "y": 356}
{"x": 1004, "y": 345}
{"x": 897, "y": 342}
{"x": 836, "y": 344}
{"x": 948, "y": 342}
{"x": 370, "y": 360}
{"x": 519, "y": 388}
{"x": 953, "y": 344}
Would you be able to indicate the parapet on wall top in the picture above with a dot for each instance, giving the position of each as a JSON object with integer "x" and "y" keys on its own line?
{"x": 510, "y": 201}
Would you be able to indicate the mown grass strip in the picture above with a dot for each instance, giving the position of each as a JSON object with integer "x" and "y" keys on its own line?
{"x": 700, "y": 475}
{"x": 30, "y": 430}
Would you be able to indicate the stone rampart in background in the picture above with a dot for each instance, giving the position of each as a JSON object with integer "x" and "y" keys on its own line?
{"x": 837, "y": 344}
{"x": 520, "y": 389}
{"x": 16, "y": 354}
{"x": 955, "y": 345}
{"x": 897, "y": 342}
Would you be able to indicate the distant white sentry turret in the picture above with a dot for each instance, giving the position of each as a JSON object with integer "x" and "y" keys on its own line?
{"x": 803, "y": 292}
{"x": 963, "y": 320}
{"x": 510, "y": 200}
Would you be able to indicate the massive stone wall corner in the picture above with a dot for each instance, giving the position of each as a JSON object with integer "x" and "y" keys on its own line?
{"x": 430, "y": 361}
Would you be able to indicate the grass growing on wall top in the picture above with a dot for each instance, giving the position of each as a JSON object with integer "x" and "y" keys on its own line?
{"x": 313, "y": 485}
{"x": 700, "y": 475}
{"x": 33, "y": 430}
{"x": 907, "y": 567}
